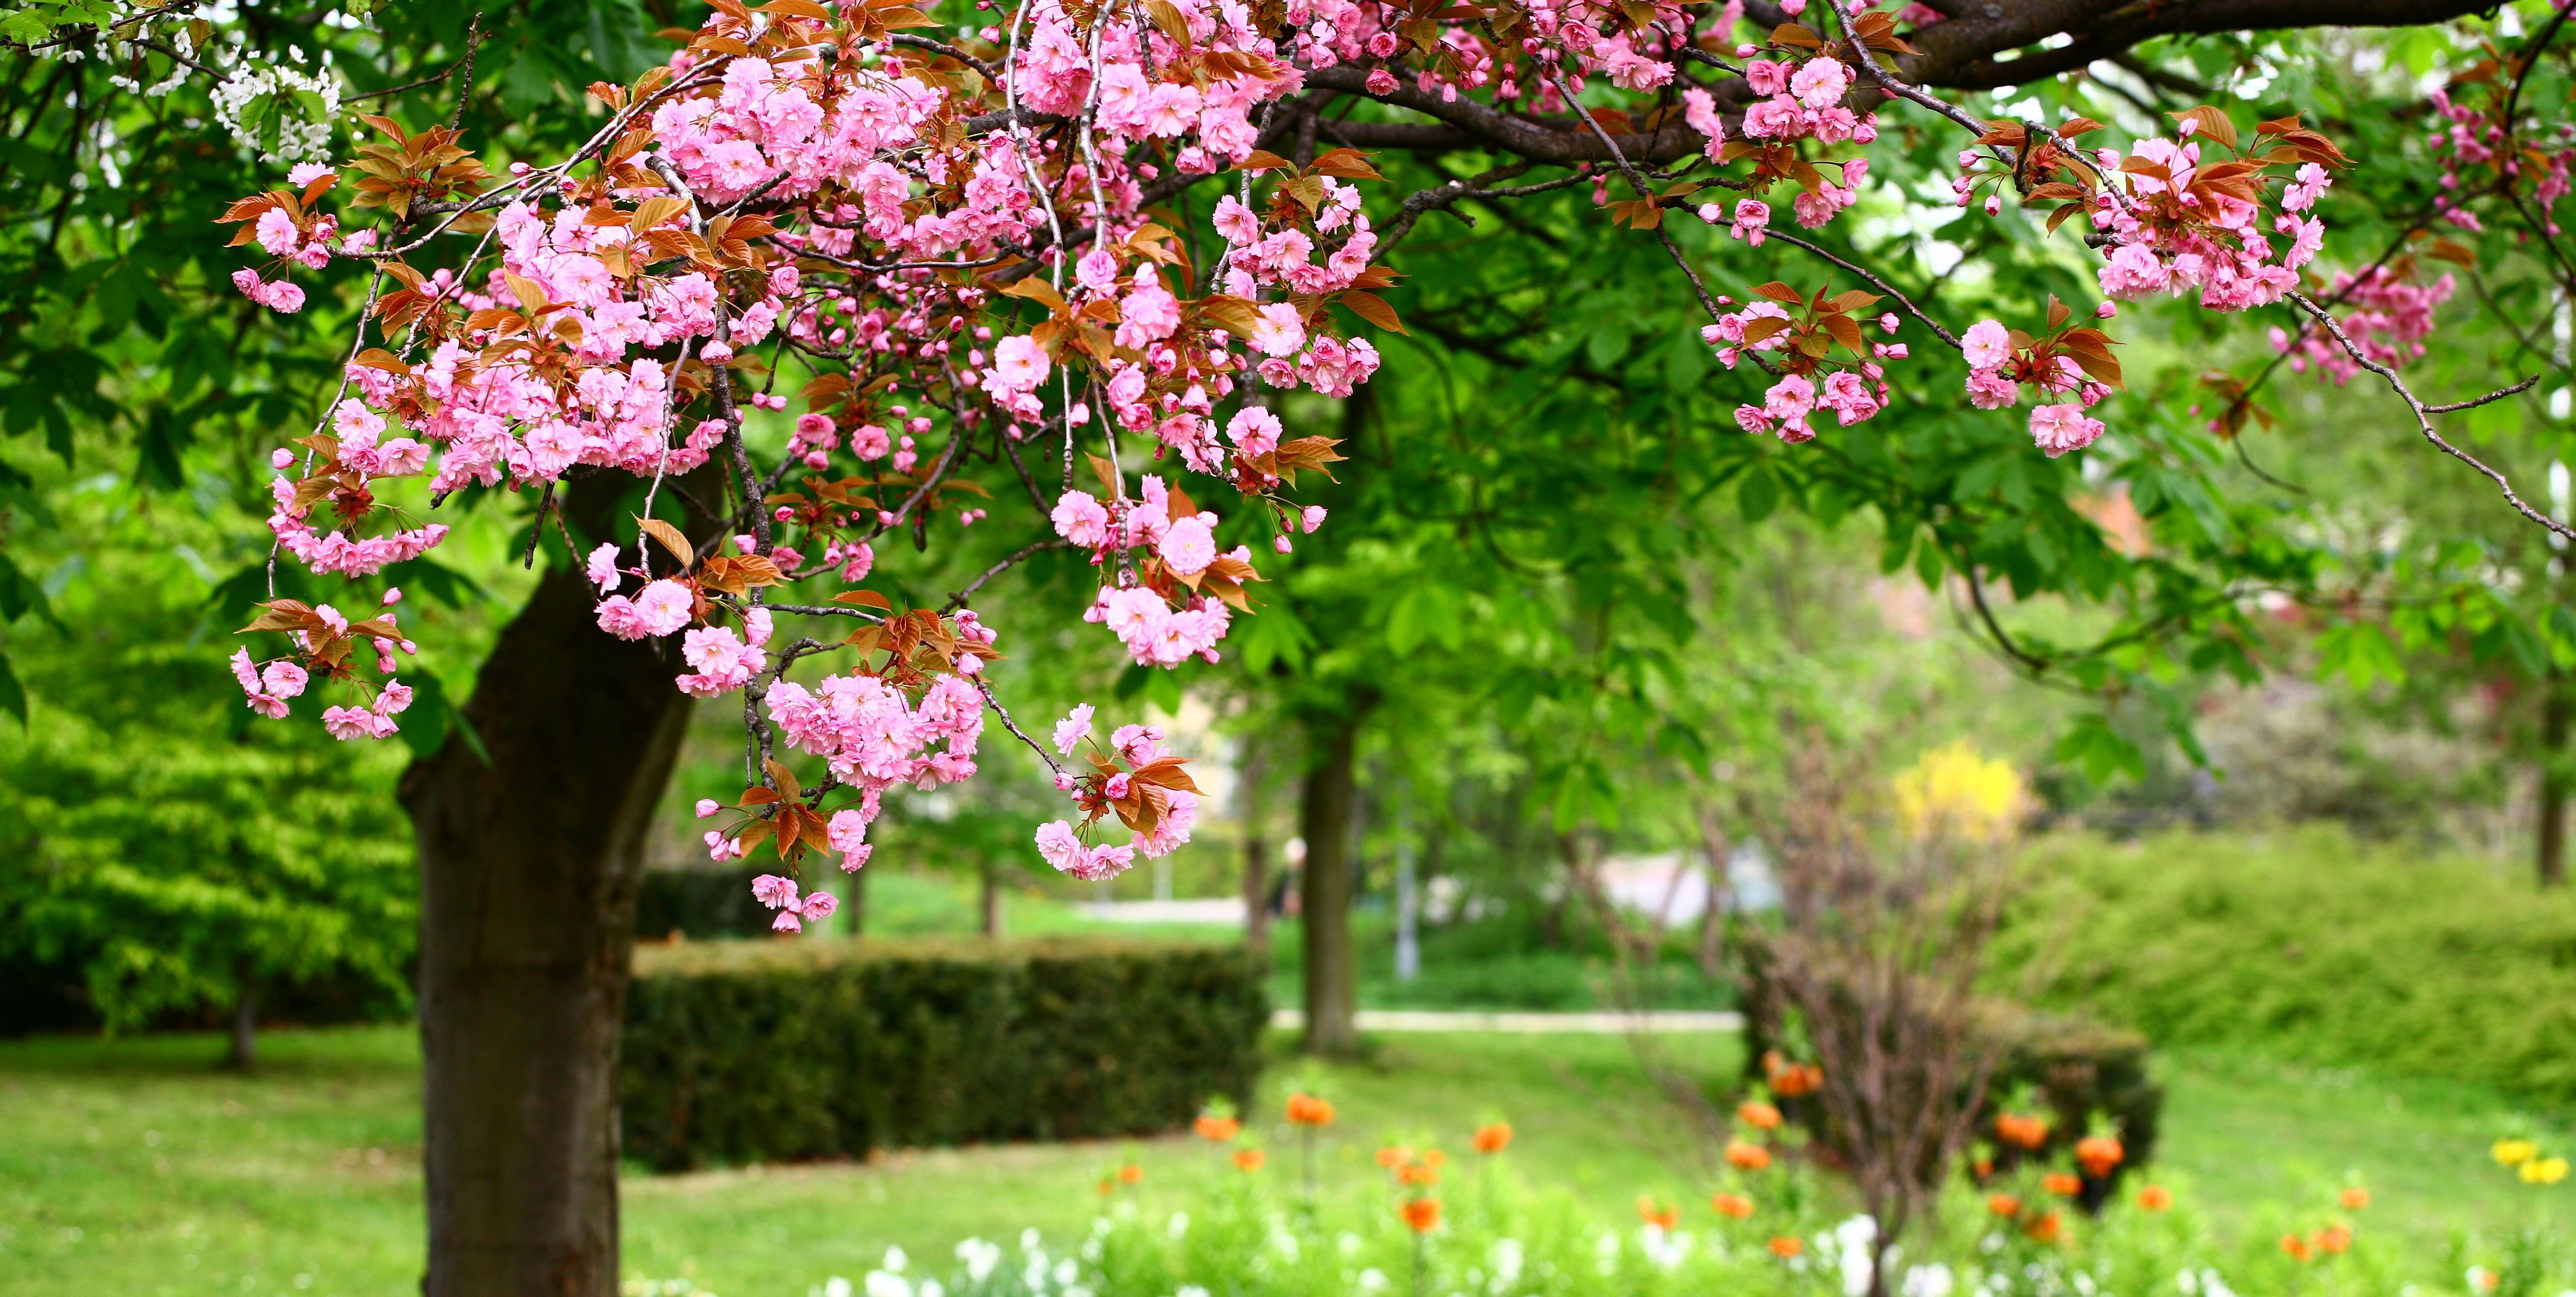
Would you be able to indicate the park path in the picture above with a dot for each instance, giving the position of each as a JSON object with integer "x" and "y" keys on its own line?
{"x": 1528, "y": 1023}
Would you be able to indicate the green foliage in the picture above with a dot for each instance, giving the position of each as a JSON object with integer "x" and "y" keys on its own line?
{"x": 175, "y": 872}
{"x": 161, "y": 850}
{"x": 2311, "y": 945}
{"x": 744, "y": 1051}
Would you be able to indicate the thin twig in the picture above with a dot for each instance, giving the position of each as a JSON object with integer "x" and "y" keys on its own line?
{"x": 958, "y": 600}
{"x": 2424, "y": 414}
{"x": 1881, "y": 284}
{"x": 1638, "y": 183}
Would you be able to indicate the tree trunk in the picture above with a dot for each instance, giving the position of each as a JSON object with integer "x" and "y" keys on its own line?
{"x": 1256, "y": 860}
{"x": 1332, "y": 970}
{"x": 529, "y": 867}
{"x": 244, "y": 1054}
{"x": 1715, "y": 850}
{"x": 2557, "y": 707}
{"x": 992, "y": 902}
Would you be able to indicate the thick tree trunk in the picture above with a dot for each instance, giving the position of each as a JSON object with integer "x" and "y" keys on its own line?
{"x": 1332, "y": 969}
{"x": 244, "y": 1053}
{"x": 529, "y": 869}
{"x": 2557, "y": 708}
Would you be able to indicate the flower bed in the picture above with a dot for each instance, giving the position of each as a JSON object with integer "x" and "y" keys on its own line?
{"x": 1464, "y": 1225}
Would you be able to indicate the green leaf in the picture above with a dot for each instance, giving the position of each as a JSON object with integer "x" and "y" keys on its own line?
{"x": 2100, "y": 752}
{"x": 1759, "y": 493}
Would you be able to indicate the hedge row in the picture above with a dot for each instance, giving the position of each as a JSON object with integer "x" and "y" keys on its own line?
{"x": 2312, "y": 947}
{"x": 818, "y": 1048}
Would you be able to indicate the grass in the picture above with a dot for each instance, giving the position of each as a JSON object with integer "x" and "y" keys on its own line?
{"x": 134, "y": 1167}
{"x": 2250, "y": 1132}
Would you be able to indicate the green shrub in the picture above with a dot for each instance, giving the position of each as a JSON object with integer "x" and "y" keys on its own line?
{"x": 2313, "y": 946}
{"x": 755, "y": 1050}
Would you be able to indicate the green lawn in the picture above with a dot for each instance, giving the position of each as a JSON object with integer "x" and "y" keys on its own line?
{"x": 133, "y": 1166}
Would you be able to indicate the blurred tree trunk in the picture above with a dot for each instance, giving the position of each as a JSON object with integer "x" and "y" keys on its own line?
{"x": 992, "y": 901}
{"x": 1256, "y": 858}
{"x": 1717, "y": 849}
{"x": 529, "y": 867}
{"x": 1332, "y": 971}
{"x": 854, "y": 904}
{"x": 244, "y": 1052}
{"x": 2557, "y": 708}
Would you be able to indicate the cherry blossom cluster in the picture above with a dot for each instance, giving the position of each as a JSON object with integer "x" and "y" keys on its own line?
{"x": 1817, "y": 346}
{"x": 2181, "y": 222}
{"x": 794, "y": 912}
{"x": 804, "y": 181}
{"x": 2070, "y": 360}
{"x": 1171, "y": 604}
{"x": 1134, "y": 778}
{"x": 2388, "y": 319}
{"x": 331, "y": 647}
{"x": 2482, "y": 151}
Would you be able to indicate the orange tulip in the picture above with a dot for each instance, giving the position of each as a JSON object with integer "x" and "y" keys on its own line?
{"x": 2355, "y": 1198}
{"x": 2333, "y": 1239}
{"x": 1494, "y": 1138}
{"x": 2065, "y": 1184}
{"x": 1789, "y": 1080}
{"x": 1649, "y": 1211}
{"x": 1759, "y": 1115}
{"x": 2295, "y": 1247}
{"x": 1248, "y": 1160}
{"x": 2047, "y": 1228}
{"x": 1785, "y": 1246}
{"x": 1422, "y": 1215}
{"x": 1393, "y": 1155}
{"x": 1307, "y": 1110}
{"x": 1735, "y": 1206}
{"x": 2098, "y": 1154}
{"x": 1751, "y": 1157}
{"x": 2155, "y": 1197}
{"x": 2021, "y": 1131}
{"x": 2004, "y": 1204}
{"x": 1131, "y": 1174}
{"x": 1219, "y": 1129}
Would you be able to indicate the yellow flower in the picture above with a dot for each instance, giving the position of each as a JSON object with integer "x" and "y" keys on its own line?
{"x": 2543, "y": 1170}
{"x": 2514, "y": 1152}
{"x": 1954, "y": 790}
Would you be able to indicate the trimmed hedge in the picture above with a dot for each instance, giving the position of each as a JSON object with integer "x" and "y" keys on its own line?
{"x": 2312, "y": 947}
{"x": 817, "y": 1048}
